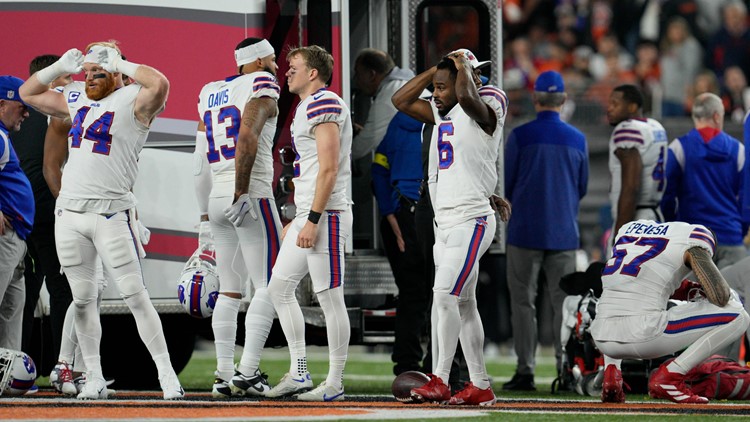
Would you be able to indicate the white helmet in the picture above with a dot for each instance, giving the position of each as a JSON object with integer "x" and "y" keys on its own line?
{"x": 199, "y": 284}
{"x": 17, "y": 372}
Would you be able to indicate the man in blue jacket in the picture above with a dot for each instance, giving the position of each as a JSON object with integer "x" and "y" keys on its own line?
{"x": 396, "y": 178}
{"x": 546, "y": 175}
{"x": 16, "y": 216}
{"x": 705, "y": 172}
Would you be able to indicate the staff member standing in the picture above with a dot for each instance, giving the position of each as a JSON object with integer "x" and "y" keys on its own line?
{"x": 16, "y": 216}
{"x": 546, "y": 175}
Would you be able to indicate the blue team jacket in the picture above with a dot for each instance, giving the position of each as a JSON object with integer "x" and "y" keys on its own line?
{"x": 546, "y": 175}
{"x": 397, "y": 168}
{"x": 16, "y": 196}
{"x": 704, "y": 185}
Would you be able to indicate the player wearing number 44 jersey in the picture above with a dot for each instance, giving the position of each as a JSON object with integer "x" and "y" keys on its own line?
{"x": 467, "y": 138}
{"x": 637, "y": 157}
{"x": 235, "y": 136}
{"x": 94, "y": 210}
{"x": 649, "y": 262}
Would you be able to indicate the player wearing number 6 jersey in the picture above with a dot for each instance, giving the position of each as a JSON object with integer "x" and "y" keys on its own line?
{"x": 235, "y": 136}
{"x": 637, "y": 159}
{"x": 648, "y": 264}
{"x": 467, "y": 135}
{"x": 94, "y": 210}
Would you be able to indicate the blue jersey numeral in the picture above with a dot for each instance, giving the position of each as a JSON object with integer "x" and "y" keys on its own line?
{"x": 231, "y": 130}
{"x": 656, "y": 246}
{"x": 445, "y": 149}
{"x": 98, "y": 131}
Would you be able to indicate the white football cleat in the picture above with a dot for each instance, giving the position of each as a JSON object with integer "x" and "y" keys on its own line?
{"x": 95, "y": 388}
{"x": 290, "y": 385}
{"x": 170, "y": 384}
{"x": 323, "y": 392}
{"x": 254, "y": 385}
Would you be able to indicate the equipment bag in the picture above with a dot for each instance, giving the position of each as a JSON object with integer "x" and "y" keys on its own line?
{"x": 719, "y": 377}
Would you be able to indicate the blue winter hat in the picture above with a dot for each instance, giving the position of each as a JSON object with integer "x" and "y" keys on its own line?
{"x": 9, "y": 88}
{"x": 549, "y": 81}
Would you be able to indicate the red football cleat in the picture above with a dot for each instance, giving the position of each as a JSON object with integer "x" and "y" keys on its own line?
{"x": 612, "y": 385}
{"x": 671, "y": 386}
{"x": 471, "y": 395}
{"x": 434, "y": 390}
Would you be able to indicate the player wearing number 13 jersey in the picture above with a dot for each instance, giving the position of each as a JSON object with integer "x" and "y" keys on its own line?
{"x": 235, "y": 136}
{"x": 637, "y": 159}
{"x": 648, "y": 264}
{"x": 95, "y": 209}
{"x": 468, "y": 129}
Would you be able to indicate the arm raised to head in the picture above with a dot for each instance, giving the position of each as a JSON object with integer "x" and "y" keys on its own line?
{"x": 716, "y": 288}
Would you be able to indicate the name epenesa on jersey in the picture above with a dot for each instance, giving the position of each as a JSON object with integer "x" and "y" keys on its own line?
{"x": 638, "y": 228}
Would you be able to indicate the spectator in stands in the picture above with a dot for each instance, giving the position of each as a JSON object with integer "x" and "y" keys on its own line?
{"x": 735, "y": 93}
{"x": 687, "y": 10}
{"x": 731, "y": 45}
{"x": 680, "y": 63}
{"x": 546, "y": 175}
{"x": 578, "y": 77}
{"x": 607, "y": 50}
{"x": 705, "y": 171}
{"x": 647, "y": 72}
{"x": 704, "y": 82}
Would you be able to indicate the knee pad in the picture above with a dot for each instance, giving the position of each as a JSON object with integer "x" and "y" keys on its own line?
{"x": 130, "y": 285}
{"x": 445, "y": 301}
{"x": 135, "y": 301}
{"x": 282, "y": 292}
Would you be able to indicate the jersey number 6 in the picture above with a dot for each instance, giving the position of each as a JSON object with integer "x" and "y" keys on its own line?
{"x": 445, "y": 149}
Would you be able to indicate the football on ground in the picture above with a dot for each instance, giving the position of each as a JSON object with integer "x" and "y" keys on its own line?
{"x": 402, "y": 385}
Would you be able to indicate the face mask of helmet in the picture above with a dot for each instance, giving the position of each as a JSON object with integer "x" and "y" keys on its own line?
{"x": 17, "y": 372}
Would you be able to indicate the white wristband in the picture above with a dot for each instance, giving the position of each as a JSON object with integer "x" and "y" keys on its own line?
{"x": 127, "y": 68}
{"x": 48, "y": 74}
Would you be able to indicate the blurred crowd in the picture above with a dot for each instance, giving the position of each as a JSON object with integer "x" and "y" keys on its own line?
{"x": 673, "y": 49}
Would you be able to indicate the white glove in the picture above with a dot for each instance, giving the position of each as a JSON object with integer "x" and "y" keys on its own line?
{"x": 70, "y": 62}
{"x": 205, "y": 237}
{"x": 111, "y": 61}
{"x": 235, "y": 213}
{"x": 144, "y": 234}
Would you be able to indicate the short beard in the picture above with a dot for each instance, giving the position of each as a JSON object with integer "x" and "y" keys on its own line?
{"x": 103, "y": 90}
{"x": 268, "y": 69}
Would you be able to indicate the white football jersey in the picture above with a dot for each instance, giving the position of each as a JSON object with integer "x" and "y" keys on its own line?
{"x": 650, "y": 138}
{"x": 322, "y": 107}
{"x": 647, "y": 265}
{"x": 467, "y": 170}
{"x": 103, "y": 146}
{"x": 220, "y": 107}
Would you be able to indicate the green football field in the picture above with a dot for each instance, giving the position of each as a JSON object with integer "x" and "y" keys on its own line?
{"x": 369, "y": 374}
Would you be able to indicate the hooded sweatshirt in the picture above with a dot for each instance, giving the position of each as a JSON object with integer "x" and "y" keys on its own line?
{"x": 704, "y": 182}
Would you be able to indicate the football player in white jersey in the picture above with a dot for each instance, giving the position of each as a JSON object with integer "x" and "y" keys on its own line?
{"x": 649, "y": 262}
{"x": 468, "y": 136}
{"x": 235, "y": 137}
{"x": 637, "y": 159}
{"x": 314, "y": 241}
{"x": 94, "y": 210}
